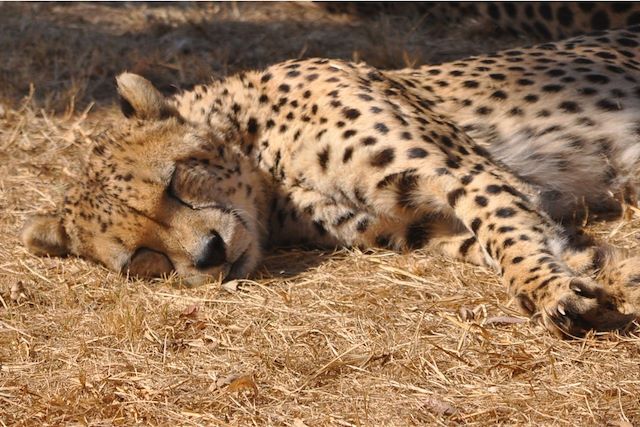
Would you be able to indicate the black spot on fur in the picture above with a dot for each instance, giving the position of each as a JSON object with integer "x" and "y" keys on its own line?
{"x": 453, "y": 163}
{"x": 565, "y": 16}
{"x": 505, "y": 212}
{"x": 362, "y": 225}
{"x": 265, "y": 78}
{"x": 499, "y": 95}
{"x": 351, "y": 113}
{"x": 605, "y": 104}
{"x": 323, "y": 158}
{"x": 493, "y": 10}
{"x": 556, "y": 72}
{"x": 481, "y": 201}
{"x": 481, "y": 151}
{"x": 466, "y": 180}
{"x": 375, "y": 76}
{"x": 494, "y": 189}
{"x": 587, "y": 91}
{"x": 552, "y": 88}
{"x": 475, "y": 225}
{"x": 252, "y": 125}
{"x": 343, "y": 219}
{"x": 418, "y": 234}
{"x": 382, "y": 128}
{"x": 357, "y": 193}
{"x": 523, "y": 207}
{"x": 348, "y": 152}
{"x": 454, "y": 195}
{"x": 348, "y": 133}
{"x": 545, "y": 11}
{"x": 466, "y": 245}
{"x": 600, "y": 20}
{"x": 569, "y": 107}
{"x": 416, "y": 153}
{"x": 446, "y": 141}
{"x": 369, "y": 140}
{"x": 633, "y": 19}
{"x": 510, "y": 9}
{"x": 382, "y": 241}
{"x": 515, "y": 111}
{"x": 525, "y": 82}
{"x": 484, "y": 110}
{"x": 597, "y": 78}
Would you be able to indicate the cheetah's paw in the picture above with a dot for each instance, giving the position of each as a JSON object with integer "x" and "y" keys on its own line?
{"x": 581, "y": 305}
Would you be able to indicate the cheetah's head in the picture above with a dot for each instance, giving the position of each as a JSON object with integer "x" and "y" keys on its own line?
{"x": 158, "y": 195}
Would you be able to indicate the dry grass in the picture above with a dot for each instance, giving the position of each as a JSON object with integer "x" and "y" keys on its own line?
{"x": 320, "y": 339}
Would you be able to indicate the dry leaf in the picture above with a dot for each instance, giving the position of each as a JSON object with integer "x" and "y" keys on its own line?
{"x": 297, "y": 422}
{"x": 465, "y": 314}
{"x": 210, "y": 341}
{"x": 438, "y": 407}
{"x": 231, "y": 286}
{"x": 18, "y": 291}
{"x": 221, "y": 382}
{"x": 190, "y": 311}
{"x": 244, "y": 383}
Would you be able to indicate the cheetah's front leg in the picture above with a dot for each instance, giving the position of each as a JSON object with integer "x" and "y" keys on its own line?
{"x": 528, "y": 249}
{"x": 614, "y": 268}
{"x": 525, "y": 245}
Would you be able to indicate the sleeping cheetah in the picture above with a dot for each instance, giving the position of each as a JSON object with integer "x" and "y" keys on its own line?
{"x": 482, "y": 159}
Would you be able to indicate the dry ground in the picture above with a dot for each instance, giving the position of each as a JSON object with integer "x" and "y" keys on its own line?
{"x": 344, "y": 339}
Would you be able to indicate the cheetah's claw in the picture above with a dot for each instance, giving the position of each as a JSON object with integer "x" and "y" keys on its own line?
{"x": 584, "y": 306}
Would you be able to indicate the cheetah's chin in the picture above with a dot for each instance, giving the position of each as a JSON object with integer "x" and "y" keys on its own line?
{"x": 237, "y": 269}
{"x": 230, "y": 271}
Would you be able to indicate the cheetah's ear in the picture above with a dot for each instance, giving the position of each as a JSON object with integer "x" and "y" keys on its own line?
{"x": 140, "y": 99}
{"x": 45, "y": 235}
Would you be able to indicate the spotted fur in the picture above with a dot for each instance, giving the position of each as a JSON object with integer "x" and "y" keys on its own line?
{"x": 556, "y": 20}
{"x": 478, "y": 159}
{"x": 546, "y": 20}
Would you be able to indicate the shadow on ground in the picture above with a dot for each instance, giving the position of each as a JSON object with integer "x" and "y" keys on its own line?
{"x": 70, "y": 53}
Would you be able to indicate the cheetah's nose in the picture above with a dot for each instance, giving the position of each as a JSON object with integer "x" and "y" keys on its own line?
{"x": 213, "y": 254}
